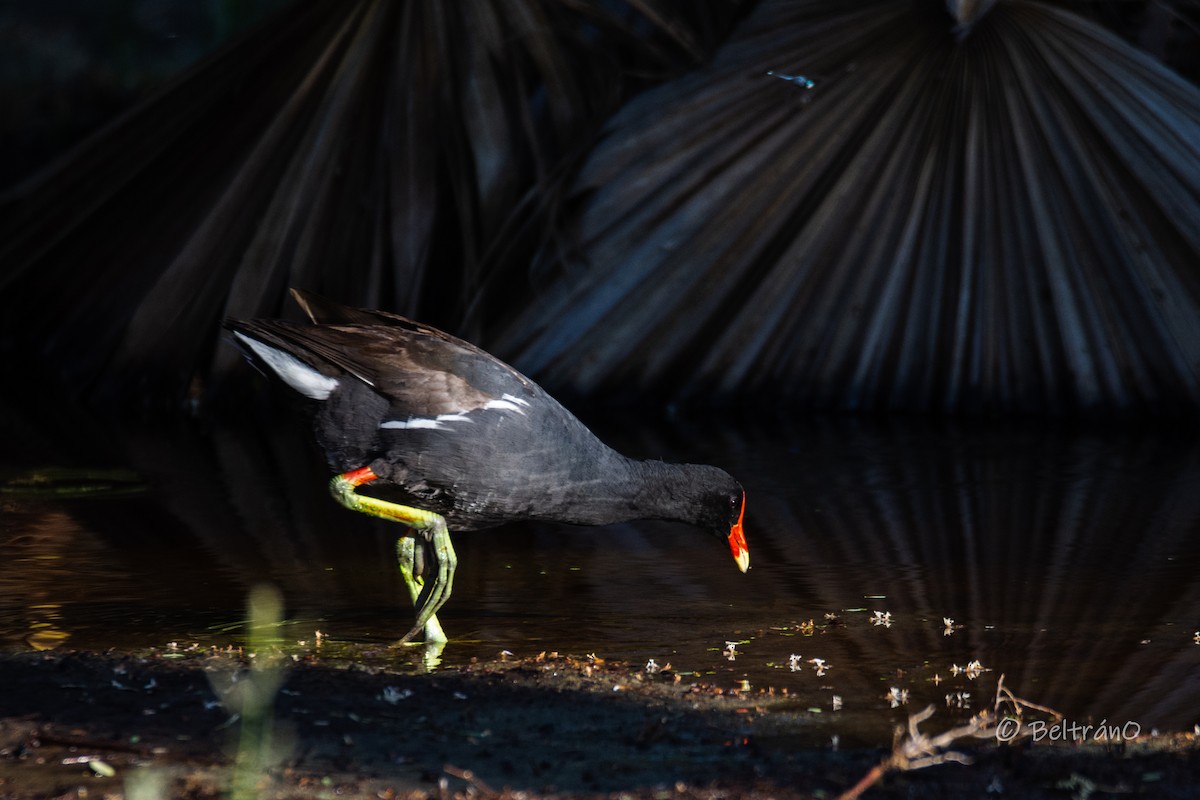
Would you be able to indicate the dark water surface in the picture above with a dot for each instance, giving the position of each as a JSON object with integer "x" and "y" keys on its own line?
{"x": 1069, "y": 562}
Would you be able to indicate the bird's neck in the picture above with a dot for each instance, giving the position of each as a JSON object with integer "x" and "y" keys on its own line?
{"x": 668, "y": 491}
{"x": 622, "y": 489}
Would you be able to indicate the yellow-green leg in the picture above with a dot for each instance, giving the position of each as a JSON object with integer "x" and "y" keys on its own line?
{"x": 430, "y": 525}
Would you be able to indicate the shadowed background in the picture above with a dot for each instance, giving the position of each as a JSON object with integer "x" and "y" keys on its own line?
{"x": 977, "y": 207}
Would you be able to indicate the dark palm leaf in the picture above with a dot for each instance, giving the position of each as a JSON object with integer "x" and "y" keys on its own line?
{"x": 373, "y": 150}
{"x": 999, "y": 212}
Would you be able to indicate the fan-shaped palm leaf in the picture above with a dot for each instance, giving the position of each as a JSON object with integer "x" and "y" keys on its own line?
{"x": 373, "y": 149}
{"x": 999, "y": 212}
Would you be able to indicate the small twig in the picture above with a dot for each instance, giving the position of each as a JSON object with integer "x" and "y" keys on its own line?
{"x": 471, "y": 778}
{"x": 1003, "y": 695}
{"x": 915, "y": 750}
{"x": 918, "y": 751}
{"x": 866, "y": 782}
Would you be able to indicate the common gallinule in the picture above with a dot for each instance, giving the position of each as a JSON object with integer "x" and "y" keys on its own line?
{"x": 469, "y": 441}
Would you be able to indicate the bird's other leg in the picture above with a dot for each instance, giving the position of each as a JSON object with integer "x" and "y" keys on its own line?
{"x": 438, "y": 592}
{"x": 410, "y": 558}
{"x": 428, "y": 524}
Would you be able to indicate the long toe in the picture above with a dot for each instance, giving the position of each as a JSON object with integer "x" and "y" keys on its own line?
{"x": 412, "y": 634}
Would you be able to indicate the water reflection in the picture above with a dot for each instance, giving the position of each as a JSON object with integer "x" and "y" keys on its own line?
{"x": 1068, "y": 562}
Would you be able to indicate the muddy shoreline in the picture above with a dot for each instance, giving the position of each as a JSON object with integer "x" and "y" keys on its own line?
{"x": 159, "y": 723}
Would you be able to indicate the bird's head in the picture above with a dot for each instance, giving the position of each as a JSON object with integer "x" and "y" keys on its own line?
{"x": 724, "y": 511}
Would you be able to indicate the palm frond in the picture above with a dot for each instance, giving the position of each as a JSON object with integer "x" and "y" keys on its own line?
{"x": 372, "y": 150}
{"x": 1001, "y": 218}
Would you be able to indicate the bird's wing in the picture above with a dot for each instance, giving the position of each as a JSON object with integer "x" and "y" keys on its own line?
{"x": 421, "y": 371}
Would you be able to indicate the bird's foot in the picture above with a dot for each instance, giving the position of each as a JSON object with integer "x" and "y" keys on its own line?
{"x": 434, "y": 594}
{"x": 410, "y": 558}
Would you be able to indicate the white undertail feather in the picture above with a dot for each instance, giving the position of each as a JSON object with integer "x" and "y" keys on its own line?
{"x": 294, "y": 372}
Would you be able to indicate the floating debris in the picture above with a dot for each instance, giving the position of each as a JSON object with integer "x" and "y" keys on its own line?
{"x": 800, "y": 80}
{"x": 883, "y": 618}
{"x": 820, "y": 666}
{"x": 794, "y": 662}
{"x": 958, "y": 700}
{"x": 897, "y": 696}
{"x": 972, "y": 670}
{"x": 65, "y": 482}
{"x": 392, "y": 695}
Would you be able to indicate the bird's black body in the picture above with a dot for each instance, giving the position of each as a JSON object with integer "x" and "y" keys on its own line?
{"x": 468, "y": 437}
{"x": 463, "y": 435}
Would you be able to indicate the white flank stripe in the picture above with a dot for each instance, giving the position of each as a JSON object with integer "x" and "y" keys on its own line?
{"x": 508, "y": 403}
{"x": 294, "y": 372}
{"x": 504, "y": 405}
{"x": 413, "y": 423}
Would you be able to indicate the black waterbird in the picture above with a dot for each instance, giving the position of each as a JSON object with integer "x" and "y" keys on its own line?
{"x": 469, "y": 441}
